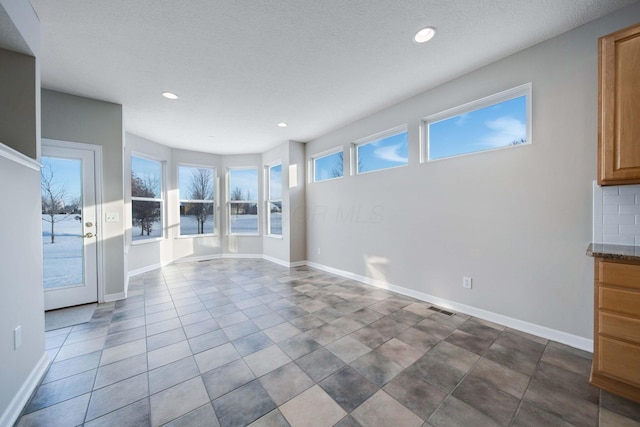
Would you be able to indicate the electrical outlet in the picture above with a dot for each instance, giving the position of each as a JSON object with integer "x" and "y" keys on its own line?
{"x": 466, "y": 282}
{"x": 17, "y": 337}
{"x": 112, "y": 217}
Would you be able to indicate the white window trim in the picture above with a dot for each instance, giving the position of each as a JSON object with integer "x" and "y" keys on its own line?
{"x": 397, "y": 130}
{"x": 163, "y": 174}
{"x": 229, "y": 201}
{"x": 215, "y": 200}
{"x": 312, "y": 164}
{"x": 268, "y": 200}
{"x": 487, "y": 101}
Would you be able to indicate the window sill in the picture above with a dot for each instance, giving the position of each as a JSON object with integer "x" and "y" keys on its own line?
{"x": 244, "y": 234}
{"x": 144, "y": 241}
{"x": 192, "y": 236}
{"x": 274, "y": 236}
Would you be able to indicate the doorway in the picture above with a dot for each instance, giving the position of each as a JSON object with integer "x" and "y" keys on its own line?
{"x": 70, "y": 229}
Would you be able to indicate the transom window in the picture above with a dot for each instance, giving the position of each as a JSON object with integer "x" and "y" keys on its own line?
{"x": 274, "y": 200}
{"x": 196, "y": 200}
{"x": 243, "y": 201}
{"x": 328, "y": 166}
{"x": 384, "y": 150}
{"x": 147, "y": 201}
{"x": 497, "y": 121}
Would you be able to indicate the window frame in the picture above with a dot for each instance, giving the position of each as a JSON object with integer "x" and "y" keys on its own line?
{"x": 214, "y": 201}
{"x": 321, "y": 155}
{"x": 487, "y": 101}
{"x": 256, "y": 201}
{"x": 355, "y": 159}
{"x": 162, "y": 199}
{"x": 268, "y": 199}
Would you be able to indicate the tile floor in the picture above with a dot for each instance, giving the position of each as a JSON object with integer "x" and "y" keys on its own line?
{"x": 247, "y": 342}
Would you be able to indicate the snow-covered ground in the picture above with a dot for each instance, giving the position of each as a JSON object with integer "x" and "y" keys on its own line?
{"x": 62, "y": 259}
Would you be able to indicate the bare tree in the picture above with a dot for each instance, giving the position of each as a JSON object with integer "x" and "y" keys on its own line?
{"x": 201, "y": 188}
{"x": 53, "y": 195}
{"x": 145, "y": 213}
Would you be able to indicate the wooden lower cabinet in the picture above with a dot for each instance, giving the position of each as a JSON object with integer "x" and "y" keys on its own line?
{"x": 616, "y": 337}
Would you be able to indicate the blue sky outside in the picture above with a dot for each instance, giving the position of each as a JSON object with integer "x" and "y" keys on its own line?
{"x": 487, "y": 128}
{"x": 150, "y": 171}
{"x": 275, "y": 182}
{"x": 67, "y": 173}
{"x": 384, "y": 153}
{"x": 327, "y": 166}
{"x": 246, "y": 180}
{"x": 185, "y": 174}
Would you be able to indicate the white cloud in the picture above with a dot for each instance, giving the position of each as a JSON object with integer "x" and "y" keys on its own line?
{"x": 504, "y": 130}
{"x": 390, "y": 153}
{"x": 463, "y": 118}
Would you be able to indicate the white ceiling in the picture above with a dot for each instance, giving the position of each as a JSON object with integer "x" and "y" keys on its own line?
{"x": 242, "y": 66}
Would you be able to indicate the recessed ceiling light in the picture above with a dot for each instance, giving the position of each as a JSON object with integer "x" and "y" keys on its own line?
{"x": 169, "y": 95}
{"x": 283, "y": 124}
{"x": 424, "y": 35}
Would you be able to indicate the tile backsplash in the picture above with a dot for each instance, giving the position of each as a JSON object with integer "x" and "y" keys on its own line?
{"x": 616, "y": 214}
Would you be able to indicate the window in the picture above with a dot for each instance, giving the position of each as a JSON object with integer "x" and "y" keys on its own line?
{"x": 385, "y": 150}
{"x": 243, "y": 201}
{"x": 497, "y": 121}
{"x": 328, "y": 166}
{"x": 196, "y": 194}
{"x": 274, "y": 200}
{"x": 147, "y": 202}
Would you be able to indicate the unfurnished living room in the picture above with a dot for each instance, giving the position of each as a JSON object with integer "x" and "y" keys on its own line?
{"x": 320, "y": 213}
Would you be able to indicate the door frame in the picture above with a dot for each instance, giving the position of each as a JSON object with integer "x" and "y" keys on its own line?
{"x": 97, "y": 152}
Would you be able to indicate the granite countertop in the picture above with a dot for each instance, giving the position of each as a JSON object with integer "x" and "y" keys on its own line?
{"x": 620, "y": 252}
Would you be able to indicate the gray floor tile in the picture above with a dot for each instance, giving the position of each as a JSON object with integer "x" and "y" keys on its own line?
{"x": 203, "y": 416}
{"x": 208, "y": 340}
{"x": 285, "y": 382}
{"x": 416, "y": 394}
{"x": 164, "y": 339}
{"x": 136, "y": 414}
{"x": 243, "y": 405}
{"x": 168, "y": 354}
{"x": 172, "y": 374}
{"x": 498, "y": 405}
{"x": 216, "y": 357}
{"x": 73, "y": 366}
{"x": 266, "y": 360}
{"x": 67, "y": 413}
{"x": 320, "y": 364}
{"x": 454, "y": 412}
{"x": 178, "y": 400}
{"x": 299, "y": 346}
{"x": 377, "y": 368}
{"x": 121, "y": 370}
{"x": 349, "y": 388}
{"x": 200, "y": 328}
{"x": 226, "y": 378}
{"x": 117, "y": 395}
{"x": 383, "y": 410}
{"x": 272, "y": 419}
{"x": 61, "y": 390}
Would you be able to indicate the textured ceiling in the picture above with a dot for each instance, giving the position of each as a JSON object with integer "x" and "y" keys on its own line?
{"x": 242, "y": 66}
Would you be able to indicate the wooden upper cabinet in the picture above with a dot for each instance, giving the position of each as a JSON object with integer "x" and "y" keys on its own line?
{"x": 619, "y": 113}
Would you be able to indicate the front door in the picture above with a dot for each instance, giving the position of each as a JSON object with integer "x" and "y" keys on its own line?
{"x": 69, "y": 229}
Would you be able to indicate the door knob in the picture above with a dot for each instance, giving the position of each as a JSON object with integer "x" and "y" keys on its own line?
{"x": 87, "y": 235}
{"x": 88, "y": 224}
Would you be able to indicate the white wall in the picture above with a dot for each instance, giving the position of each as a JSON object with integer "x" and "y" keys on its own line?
{"x": 72, "y": 118}
{"x": 516, "y": 220}
{"x": 22, "y": 302}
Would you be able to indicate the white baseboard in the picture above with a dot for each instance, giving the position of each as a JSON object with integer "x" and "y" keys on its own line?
{"x": 197, "y": 258}
{"x": 242, "y": 256}
{"x": 21, "y": 398}
{"x": 521, "y": 325}
{"x": 144, "y": 269}
{"x": 115, "y": 297}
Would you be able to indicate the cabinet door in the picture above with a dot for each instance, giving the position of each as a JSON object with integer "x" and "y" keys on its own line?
{"x": 619, "y": 96}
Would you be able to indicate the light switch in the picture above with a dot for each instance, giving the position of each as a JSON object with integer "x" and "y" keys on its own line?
{"x": 112, "y": 217}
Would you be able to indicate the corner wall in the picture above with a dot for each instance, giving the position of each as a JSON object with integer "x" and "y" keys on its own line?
{"x": 516, "y": 220}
